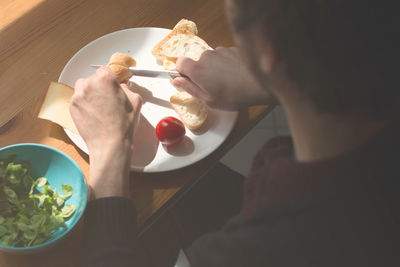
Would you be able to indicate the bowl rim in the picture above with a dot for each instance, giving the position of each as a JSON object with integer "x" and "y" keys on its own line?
{"x": 64, "y": 233}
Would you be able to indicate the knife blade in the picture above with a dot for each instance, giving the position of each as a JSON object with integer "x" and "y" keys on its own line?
{"x": 165, "y": 74}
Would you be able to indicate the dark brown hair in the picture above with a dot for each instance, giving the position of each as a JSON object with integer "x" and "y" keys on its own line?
{"x": 341, "y": 53}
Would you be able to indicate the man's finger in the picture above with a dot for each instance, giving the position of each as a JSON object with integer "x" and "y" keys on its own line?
{"x": 136, "y": 102}
{"x": 186, "y": 66}
{"x": 190, "y": 87}
{"x": 135, "y": 99}
{"x": 81, "y": 88}
{"x": 102, "y": 69}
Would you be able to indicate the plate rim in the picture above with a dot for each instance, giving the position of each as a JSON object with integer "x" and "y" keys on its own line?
{"x": 72, "y": 135}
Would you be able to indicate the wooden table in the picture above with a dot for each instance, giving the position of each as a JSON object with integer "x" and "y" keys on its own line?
{"x": 37, "y": 38}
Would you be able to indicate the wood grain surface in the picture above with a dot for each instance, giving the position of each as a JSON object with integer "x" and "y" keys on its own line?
{"x": 38, "y": 37}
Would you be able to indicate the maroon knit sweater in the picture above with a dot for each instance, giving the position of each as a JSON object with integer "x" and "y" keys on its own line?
{"x": 342, "y": 211}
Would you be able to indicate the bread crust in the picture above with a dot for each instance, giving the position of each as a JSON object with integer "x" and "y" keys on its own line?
{"x": 123, "y": 74}
{"x": 192, "y": 111}
{"x": 183, "y": 41}
{"x": 122, "y": 59}
{"x": 119, "y": 64}
{"x": 184, "y": 29}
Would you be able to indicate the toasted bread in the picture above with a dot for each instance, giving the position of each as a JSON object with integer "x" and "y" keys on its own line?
{"x": 119, "y": 64}
{"x": 192, "y": 111}
{"x": 182, "y": 41}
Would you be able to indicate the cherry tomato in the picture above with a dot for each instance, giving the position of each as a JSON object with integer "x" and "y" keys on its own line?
{"x": 170, "y": 131}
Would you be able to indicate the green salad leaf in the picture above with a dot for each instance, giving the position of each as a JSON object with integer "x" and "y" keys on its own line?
{"x": 3, "y": 230}
{"x": 67, "y": 190}
{"x": 30, "y": 210}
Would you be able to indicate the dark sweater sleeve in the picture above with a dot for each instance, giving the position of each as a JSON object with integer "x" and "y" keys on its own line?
{"x": 290, "y": 240}
{"x": 110, "y": 234}
{"x": 235, "y": 245}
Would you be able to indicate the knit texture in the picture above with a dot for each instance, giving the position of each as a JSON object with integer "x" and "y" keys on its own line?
{"x": 342, "y": 211}
{"x": 110, "y": 233}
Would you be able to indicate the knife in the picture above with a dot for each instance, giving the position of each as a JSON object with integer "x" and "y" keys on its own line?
{"x": 165, "y": 74}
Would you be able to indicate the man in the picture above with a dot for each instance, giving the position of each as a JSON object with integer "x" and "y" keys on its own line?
{"x": 327, "y": 197}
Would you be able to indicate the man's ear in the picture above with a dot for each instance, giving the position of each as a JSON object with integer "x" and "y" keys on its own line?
{"x": 267, "y": 59}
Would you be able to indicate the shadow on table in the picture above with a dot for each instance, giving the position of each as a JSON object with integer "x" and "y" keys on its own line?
{"x": 57, "y": 132}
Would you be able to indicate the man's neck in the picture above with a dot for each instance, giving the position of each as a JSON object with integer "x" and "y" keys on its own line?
{"x": 322, "y": 136}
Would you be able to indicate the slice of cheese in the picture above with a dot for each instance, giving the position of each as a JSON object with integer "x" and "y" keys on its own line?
{"x": 55, "y": 106}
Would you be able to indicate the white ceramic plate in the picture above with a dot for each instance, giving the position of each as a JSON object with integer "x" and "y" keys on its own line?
{"x": 149, "y": 155}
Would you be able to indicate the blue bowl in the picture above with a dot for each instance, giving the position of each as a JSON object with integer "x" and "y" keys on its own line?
{"x": 59, "y": 169}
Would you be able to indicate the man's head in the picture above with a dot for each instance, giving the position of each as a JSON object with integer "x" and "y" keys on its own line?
{"x": 340, "y": 54}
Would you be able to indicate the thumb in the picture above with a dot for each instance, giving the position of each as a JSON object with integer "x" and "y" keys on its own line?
{"x": 186, "y": 66}
{"x": 190, "y": 67}
{"x": 190, "y": 87}
{"x": 135, "y": 99}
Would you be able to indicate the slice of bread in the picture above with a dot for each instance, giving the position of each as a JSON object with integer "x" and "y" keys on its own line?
{"x": 122, "y": 73}
{"x": 169, "y": 63}
{"x": 185, "y": 45}
{"x": 192, "y": 111}
{"x": 182, "y": 41}
{"x": 122, "y": 59}
{"x": 119, "y": 64}
{"x": 184, "y": 26}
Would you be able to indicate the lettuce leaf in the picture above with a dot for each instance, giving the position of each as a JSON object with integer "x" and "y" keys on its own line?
{"x": 31, "y": 210}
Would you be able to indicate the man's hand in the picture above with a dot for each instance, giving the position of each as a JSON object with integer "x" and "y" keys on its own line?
{"x": 221, "y": 79}
{"x": 105, "y": 115}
